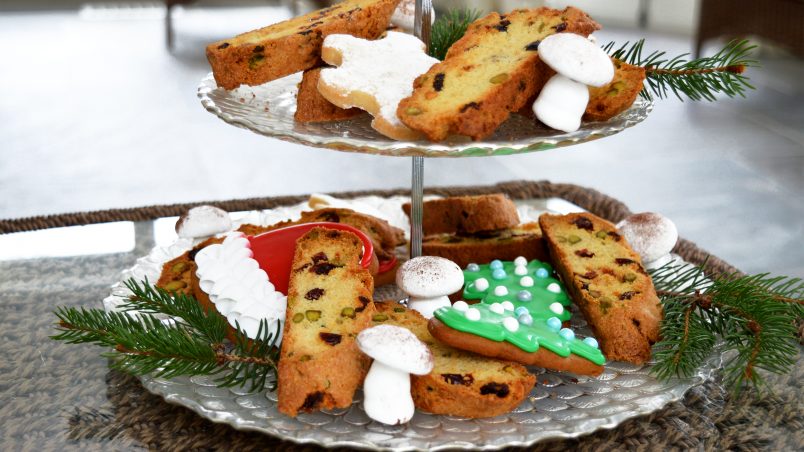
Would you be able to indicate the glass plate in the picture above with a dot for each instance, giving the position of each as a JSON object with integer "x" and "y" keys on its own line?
{"x": 268, "y": 110}
{"x": 561, "y": 405}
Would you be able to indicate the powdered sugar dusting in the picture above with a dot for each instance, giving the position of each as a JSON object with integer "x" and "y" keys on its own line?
{"x": 650, "y": 234}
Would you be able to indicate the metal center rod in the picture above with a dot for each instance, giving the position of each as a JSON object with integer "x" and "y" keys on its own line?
{"x": 422, "y": 22}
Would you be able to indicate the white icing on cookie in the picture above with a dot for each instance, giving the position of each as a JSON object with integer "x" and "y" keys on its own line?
{"x": 650, "y": 234}
{"x": 577, "y": 58}
{"x": 374, "y": 76}
{"x": 429, "y": 277}
{"x": 203, "y": 221}
{"x": 561, "y": 103}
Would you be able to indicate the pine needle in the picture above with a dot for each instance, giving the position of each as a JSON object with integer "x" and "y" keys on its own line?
{"x": 448, "y": 29}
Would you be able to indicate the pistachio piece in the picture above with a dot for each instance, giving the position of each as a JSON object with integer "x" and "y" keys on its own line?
{"x": 298, "y": 317}
{"x": 601, "y": 234}
{"x": 399, "y": 309}
{"x": 499, "y": 78}
{"x": 348, "y": 312}
{"x": 312, "y": 315}
{"x": 179, "y": 267}
{"x": 175, "y": 285}
{"x": 379, "y": 318}
{"x": 574, "y": 239}
{"x": 629, "y": 277}
{"x": 413, "y": 111}
{"x": 304, "y": 358}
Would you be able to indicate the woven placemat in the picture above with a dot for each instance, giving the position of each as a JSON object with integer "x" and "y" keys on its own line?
{"x": 707, "y": 419}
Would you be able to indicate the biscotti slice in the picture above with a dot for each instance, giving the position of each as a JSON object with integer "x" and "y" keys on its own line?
{"x": 178, "y": 274}
{"x": 614, "y": 98}
{"x": 481, "y": 248}
{"x": 467, "y": 214}
{"x": 489, "y": 73}
{"x": 329, "y": 303}
{"x": 294, "y": 45}
{"x": 605, "y": 278}
{"x": 311, "y": 105}
{"x": 461, "y": 383}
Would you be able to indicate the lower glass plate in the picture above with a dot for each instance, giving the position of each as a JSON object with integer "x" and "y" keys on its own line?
{"x": 268, "y": 110}
{"x": 561, "y": 405}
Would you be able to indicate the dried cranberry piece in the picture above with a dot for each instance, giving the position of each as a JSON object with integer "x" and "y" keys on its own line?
{"x": 364, "y": 301}
{"x": 584, "y": 253}
{"x": 224, "y": 45}
{"x": 258, "y": 49}
{"x": 320, "y": 257}
{"x": 499, "y": 389}
{"x": 331, "y": 217}
{"x": 616, "y": 236}
{"x": 458, "y": 379}
{"x": 583, "y": 223}
{"x": 561, "y": 27}
{"x": 623, "y": 261}
{"x": 591, "y": 274}
{"x": 628, "y": 295}
{"x": 312, "y": 401}
{"x": 322, "y": 268}
{"x": 330, "y": 338}
{"x": 474, "y": 105}
{"x": 438, "y": 82}
{"x": 305, "y": 33}
{"x": 314, "y": 294}
{"x": 533, "y": 46}
{"x": 503, "y": 25}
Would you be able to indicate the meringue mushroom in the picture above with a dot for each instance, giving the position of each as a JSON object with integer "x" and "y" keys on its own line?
{"x": 428, "y": 280}
{"x": 203, "y": 221}
{"x": 397, "y": 353}
{"x": 561, "y": 103}
{"x": 577, "y": 58}
{"x": 651, "y": 235}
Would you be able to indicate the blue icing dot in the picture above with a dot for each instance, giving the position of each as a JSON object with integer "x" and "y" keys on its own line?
{"x": 473, "y": 268}
{"x": 526, "y": 319}
{"x": 590, "y": 341}
{"x": 496, "y": 264}
{"x": 499, "y": 273}
{"x": 554, "y": 323}
{"x": 524, "y": 295}
{"x": 521, "y": 310}
{"x": 567, "y": 334}
{"x": 542, "y": 273}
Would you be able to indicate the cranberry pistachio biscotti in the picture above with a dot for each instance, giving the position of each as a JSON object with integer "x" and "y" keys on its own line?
{"x": 606, "y": 280}
{"x": 329, "y": 303}
{"x": 294, "y": 45}
{"x": 487, "y": 74}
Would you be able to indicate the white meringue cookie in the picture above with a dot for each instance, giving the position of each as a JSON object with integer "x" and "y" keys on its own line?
{"x": 429, "y": 277}
{"x": 577, "y": 58}
{"x": 203, "y": 221}
{"x": 650, "y": 234}
{"x": 561, "y": 103}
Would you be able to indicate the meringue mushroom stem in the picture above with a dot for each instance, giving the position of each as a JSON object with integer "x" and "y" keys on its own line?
{"x": 387, "y": 394}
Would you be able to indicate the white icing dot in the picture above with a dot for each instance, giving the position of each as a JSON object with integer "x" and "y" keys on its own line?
{"x": 557, "y": 308}
{"x": 526, "y": 281}
{"x": 520, "y": 270}
{"x": 481, "y": 284}
{"x": 507, "y": 305}
{"x": 496, "y": 307}
{"x": 511, "y": 324}
{"x": 472, "y": 314}
{"x": 554, "y": 287}
{"x": 501, "y": 291}
{"x": 460, "y": 305}
{"x": 519, "y": 261}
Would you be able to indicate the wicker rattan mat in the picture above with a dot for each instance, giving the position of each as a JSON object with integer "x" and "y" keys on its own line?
{"x": 707, "y": 418}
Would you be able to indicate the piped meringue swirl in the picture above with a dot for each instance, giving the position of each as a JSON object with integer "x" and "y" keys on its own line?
{"x": 238, "y": 287}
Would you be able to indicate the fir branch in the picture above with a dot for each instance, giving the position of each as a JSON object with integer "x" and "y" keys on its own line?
{"x": 448, "y": 29}
{"x": 192, "y": 345}
{"x": 755, "y": 316}
{"x": 696, "y": 79}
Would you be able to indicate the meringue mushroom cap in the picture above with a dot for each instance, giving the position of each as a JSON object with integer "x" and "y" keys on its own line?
{"x": 650, "y": 234}
{"x": 396, "y": 347}
{"x": 429, "y": 277}
{"x": 203, "y": 221}
{"x": 577, "y": 58}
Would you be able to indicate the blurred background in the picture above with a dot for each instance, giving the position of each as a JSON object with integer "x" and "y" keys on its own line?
{"x": 98, "y": 110}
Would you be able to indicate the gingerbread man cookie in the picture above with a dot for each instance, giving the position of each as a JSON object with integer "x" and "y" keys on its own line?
{"x": 374, "y": 76}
